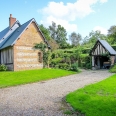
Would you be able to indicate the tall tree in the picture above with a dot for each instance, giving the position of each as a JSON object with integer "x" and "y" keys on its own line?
{"x": 75, "y": 38}
{"x": 45, "y": 32}
{"x": 112, "y": 35}
{"x": 90, "y": 40}
{"x": 53, "y": 44}
{"x": 52, "y": 30}
{"x": 58, "y": 33}
{"x": 112, "y": 30}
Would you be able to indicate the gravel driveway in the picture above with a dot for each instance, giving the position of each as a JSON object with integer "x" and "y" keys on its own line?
{"x": 44, "y": 98}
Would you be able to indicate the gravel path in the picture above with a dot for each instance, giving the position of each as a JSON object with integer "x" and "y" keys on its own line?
{"x": 44, "y": 98}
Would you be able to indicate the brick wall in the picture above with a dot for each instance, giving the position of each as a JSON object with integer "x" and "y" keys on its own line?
{"x": 11, "y": 20}
{"x": 25, "y": 56}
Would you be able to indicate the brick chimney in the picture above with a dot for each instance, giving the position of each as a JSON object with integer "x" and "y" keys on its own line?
{"x": 11, "y": 21}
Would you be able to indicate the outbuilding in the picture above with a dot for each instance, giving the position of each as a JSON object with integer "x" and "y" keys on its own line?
{"x": 103, "y": 55}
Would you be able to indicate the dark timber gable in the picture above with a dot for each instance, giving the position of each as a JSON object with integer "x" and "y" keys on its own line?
{"x": 103, "y": 55}
{"x": 99, "y": 49}
{"x": 102, "y": 47}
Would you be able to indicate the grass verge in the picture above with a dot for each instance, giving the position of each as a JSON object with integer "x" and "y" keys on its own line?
{"x": 22, "y": 77}
{"x": 113, "y": 69}
{"x": 96, "y": 99}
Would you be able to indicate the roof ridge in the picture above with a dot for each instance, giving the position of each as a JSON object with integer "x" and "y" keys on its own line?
{"x": 17, "y": 33}
{"x": 108, "y": 46}
{"x": 27, "y": 21}
{"x": 14, "y": 24}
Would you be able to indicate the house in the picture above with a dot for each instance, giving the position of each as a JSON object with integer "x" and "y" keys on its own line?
{"x": 17, "y": 45}
{"x": 103, "y": 55}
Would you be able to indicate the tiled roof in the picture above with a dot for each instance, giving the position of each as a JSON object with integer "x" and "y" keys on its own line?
{"x": 107, "y": 47}
{"x": 3, "y": 33}
{"x": 12, "y": 38}
{"x": 15, "y": 35}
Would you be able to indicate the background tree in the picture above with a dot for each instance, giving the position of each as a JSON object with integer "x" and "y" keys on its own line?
{"x": 61, "y": 36}
{"x": 45, "y": 32}
{"x": 75, "y": 38}
{"x": 52, "y": 30}
{"x": 58, "y": 33}
{"x": 53, "y": 44}
{"x": 112, "y": 30}
{"x": 112, "y": 35}
{"x": 90, "y": 40}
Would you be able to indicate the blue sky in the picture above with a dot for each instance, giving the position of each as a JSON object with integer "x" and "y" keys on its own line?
{"x": 81, "y": 16}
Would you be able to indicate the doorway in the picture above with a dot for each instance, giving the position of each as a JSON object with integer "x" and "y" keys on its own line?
{"x": 102, "y": 62}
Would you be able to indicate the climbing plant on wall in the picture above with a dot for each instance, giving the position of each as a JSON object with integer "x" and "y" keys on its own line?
{"x": 46, "y": 53}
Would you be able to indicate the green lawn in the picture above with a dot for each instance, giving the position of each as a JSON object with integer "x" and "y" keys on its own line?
{"x": 96, "y": 99}
{"x": 10, "y": 78}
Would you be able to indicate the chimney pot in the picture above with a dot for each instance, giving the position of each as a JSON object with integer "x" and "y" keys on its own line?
{"x": 11, "y": 21}
{"x": 10, "y": 15}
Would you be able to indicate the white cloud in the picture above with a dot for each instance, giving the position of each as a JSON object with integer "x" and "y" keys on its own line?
{"x": 64, "y": 14}
{"x": 101, "y": 29}
{"x": 103, "y": 1}
{"x": 70, "y": 11}
{"x": 68, "y": 26}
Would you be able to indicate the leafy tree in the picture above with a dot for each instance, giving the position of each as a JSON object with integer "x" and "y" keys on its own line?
{"x": 112, "y": 30}
{"x": 52, "y": 30}
{"x": 61, "y": 36}
{"x": 45, "y": 32}
{"x": 58, "y": 33}
{"x": 75, "y": 38}
{"x": 85, "y": 40}
{"x": 112, "y": 35}
{"x": 90, "y": 40}
{"x": 95, "y": 35}
{"x": 53, "y": 44}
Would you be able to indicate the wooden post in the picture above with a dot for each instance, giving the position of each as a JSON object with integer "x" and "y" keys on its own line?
{"x": 93, "y": 63}
{"x": 98, "y": 62}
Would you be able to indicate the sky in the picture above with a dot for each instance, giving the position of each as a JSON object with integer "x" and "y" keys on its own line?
{"x": 80, "y": 16}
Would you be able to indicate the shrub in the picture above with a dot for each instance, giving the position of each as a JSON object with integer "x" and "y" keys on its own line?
{"x": 83, "y": 65}
{"x": 88, "y": 65}
{"x": 113, "y": 69}
{"x": 86, "y": 50}
{"x": 88, "y": 62}
{"x": 56, "y": 66}
{"x": 74, "y": 67}
{"x": 64, "y": 66}
{"x": 82, "y": 60}
{"x": 85, "y": 61}
{"x": 3, "y": 67}
{"x": 55, "y": 61}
